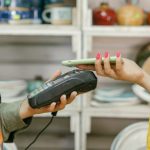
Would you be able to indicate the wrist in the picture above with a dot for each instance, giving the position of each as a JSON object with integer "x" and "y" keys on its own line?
{"x": 25, "y": 110}
{"x": 145, "y": 82}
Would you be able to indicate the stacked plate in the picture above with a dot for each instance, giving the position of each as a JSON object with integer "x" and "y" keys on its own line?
{"x": 131, "y": 138}
{"x": 11, "y": 146}
{"x": 13, "y": 90}
{"x": 119, "y": 94}
{"x": 141, "y": 93}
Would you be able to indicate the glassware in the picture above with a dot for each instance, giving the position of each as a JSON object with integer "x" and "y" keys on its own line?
{"x": 37, "y": 7}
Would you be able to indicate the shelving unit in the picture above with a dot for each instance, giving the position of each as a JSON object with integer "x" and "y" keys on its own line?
{"x": 30, "y": 50}
{"x": 74, "y": 124}
{"x": 100, "y": 124}
{"x": 26, "y": 49}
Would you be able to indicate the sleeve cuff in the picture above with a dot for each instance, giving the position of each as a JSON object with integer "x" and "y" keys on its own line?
{"x": 11, "y": 120}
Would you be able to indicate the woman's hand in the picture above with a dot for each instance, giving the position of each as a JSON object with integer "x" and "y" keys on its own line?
{"x": 26, "y": 111}
{"x": 124, "y": 69}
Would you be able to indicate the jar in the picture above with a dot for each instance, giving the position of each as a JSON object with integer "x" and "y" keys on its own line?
{"x": 104, "y": 15}
{"x": 130, "y": 14}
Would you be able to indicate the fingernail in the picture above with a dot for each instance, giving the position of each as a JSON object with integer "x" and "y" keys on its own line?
{"x": 74, "y": 93}
{"x": 118, "y": 54}
{"x": 64, "y": 96}
{"x": 106, "y": 55}
{"x": 98, "y": 56}
{"x": 53, "y": 103}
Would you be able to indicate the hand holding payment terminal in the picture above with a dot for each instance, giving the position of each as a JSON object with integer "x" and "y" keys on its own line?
{"x": 51, "y": 91}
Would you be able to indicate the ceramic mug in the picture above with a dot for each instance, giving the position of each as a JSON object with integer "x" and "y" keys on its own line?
{"x": 4, "y": 15}
{"x": 58, "y": 15}
{"x": 20, "y": 15}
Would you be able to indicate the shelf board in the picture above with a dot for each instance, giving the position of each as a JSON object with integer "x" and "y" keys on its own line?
{"x": 141, "y": 111}
{"x": 38, "y": 30}
{"x": 118, "y": 31}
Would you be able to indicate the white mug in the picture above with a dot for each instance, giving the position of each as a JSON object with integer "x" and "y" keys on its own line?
{"x": 58, "y": 15}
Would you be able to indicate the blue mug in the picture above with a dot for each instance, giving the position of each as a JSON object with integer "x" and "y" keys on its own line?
{"x": 18, "y": 15}
{"x": 4, "y": 15}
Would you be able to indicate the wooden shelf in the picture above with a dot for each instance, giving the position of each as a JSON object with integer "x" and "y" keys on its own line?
{"x": 38, "y": 30}
{"x": 136, "y": 111}
{"x": 117, "y": 31}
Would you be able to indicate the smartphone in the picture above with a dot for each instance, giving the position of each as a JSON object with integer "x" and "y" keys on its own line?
{"x": 88, "y": 61}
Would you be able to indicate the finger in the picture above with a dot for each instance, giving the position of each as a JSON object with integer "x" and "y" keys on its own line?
{"x": 63, "y": 102}
{"x": 118, "y": 62}
{"x": 107, "y": 66}
{"x": 98, "y": 65}
{"x": 72, "y": 97}
{"x": 51, "y": 107}
{"x": 86, "y": 67}
{"x": 56, "y": 74}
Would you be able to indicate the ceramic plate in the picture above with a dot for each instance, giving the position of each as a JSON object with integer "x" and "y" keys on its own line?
{"x": 131, "y": 138}
{"x": 122, "y": 93}
{"x": 141, "y": 93}
{"x": 111, "y": 104}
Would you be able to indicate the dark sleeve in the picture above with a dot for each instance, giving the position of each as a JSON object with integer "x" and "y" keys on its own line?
{"x": 11, "y": 121}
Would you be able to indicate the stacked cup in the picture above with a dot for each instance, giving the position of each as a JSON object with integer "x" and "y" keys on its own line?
{"x": 57, "y": 13}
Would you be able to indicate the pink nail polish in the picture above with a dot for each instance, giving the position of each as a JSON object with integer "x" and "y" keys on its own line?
{"x": 118, "y": 54}
{"x": 98, "y": 56}
{"x": 106, "y": 55}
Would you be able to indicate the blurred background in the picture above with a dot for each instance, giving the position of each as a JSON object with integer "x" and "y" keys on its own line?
{"x": 36, "y": 35}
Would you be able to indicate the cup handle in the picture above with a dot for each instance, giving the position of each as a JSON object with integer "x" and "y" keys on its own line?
{"x": 44, "y": 15}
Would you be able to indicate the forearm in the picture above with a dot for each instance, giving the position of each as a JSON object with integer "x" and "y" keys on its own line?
{"x": 146, "y": 81}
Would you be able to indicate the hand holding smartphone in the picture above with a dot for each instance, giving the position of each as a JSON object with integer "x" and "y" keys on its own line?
{"x": 88, "y": 61}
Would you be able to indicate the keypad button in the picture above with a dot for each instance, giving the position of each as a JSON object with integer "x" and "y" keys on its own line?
{"x": 49, "y": 84}
{"x": 45, "y": 86}
{"x": 67, "y": 76}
